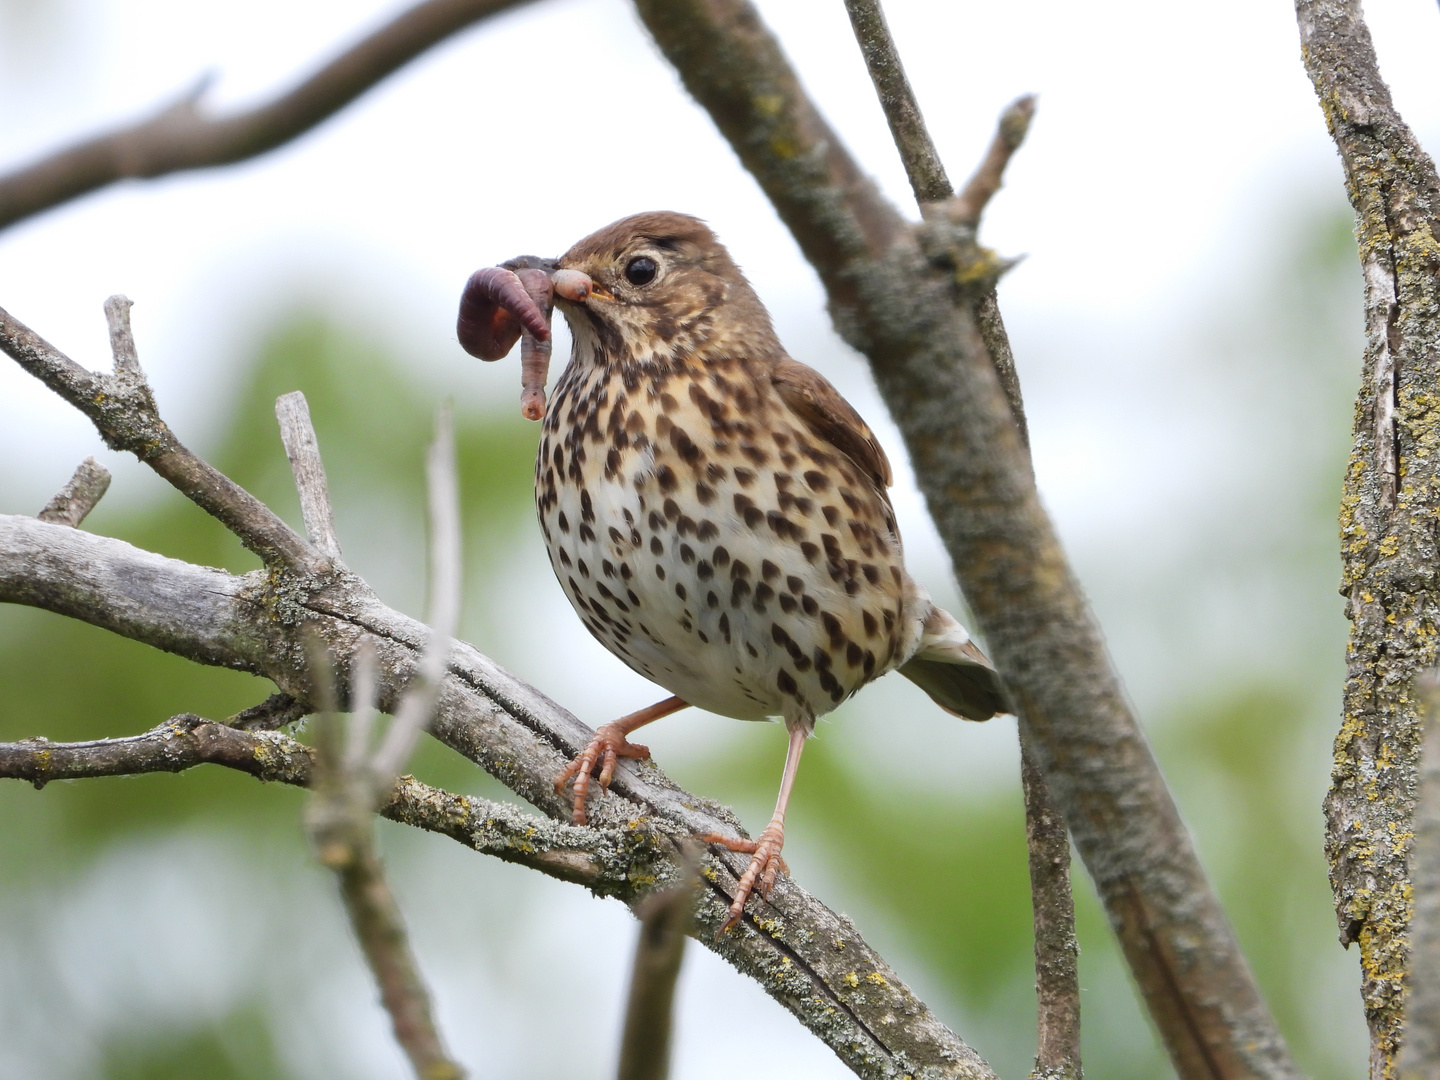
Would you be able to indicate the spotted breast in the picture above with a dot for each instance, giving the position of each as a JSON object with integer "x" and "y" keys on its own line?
{"x": 710, "y": 539}
{"x": 715, "y": 510}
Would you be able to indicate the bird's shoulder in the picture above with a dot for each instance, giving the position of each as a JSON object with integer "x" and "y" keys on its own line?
{"x": 816, "y": 403}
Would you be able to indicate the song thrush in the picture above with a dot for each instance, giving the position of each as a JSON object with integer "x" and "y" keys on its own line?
{"x": 715, "y": 510}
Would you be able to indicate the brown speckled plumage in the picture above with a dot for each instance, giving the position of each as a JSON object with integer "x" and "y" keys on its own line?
{"x": 716, "y": 512}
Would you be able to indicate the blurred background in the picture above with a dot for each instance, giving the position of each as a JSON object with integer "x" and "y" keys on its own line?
{"x": 1187, "y": 327}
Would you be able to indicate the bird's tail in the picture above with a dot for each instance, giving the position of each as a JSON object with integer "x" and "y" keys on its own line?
{"x": 957, "y": 675}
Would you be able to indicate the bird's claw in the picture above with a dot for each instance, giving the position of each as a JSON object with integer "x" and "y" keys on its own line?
{"x": 766, "y": 864}
{"x": 605, "y": 749}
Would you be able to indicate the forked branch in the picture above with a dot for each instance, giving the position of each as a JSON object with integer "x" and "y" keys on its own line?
{"x": 920, "y": 319}
{"x": 122, "y": 408}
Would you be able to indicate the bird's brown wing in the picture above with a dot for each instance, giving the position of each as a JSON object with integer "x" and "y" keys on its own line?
{"x": 830, "y": 417}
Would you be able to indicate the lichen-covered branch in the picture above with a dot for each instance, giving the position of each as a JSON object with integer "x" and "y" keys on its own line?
{"x": 122, "y": 408}
{"x": 568, "y": 852}
{"x": 1420, "y": 1056}
{"x": 1057, "y": 976}
{"x": 913, "y": 312}
{"x": 1389, "y": 505}
{"x": 180, "y": 136}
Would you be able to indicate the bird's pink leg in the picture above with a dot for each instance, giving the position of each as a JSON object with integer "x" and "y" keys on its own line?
{"x": 607, "y": 747}
{"x": 765, "y": 863}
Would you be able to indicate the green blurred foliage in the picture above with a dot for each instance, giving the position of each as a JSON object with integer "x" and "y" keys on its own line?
{"x": 238, "y": 1047}
{"x": 1247, "y": 760}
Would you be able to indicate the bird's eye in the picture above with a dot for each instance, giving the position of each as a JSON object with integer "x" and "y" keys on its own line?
{"x": 640, "y": 270}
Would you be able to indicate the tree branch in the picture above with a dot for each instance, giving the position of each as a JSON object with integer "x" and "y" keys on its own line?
{"x": 1057, "y": 977}
{"x": 180, "y": 136}
{"x": 276, "y": 711}
{"x": 1390, "y": 500}
{"x": 897, "y": 99}
{"x": 665, "y": 918}
{"x": 338, "y": 819}
{"x": 122, "y": 408}
{"x": 418, "y": 706}
{"x": 985, "y": 182}
{"x": 1420, "y": 1057}
{"x": 567, "y": 852}
{"x": 298, "y": 436}
{"x": 915, "y": 317}
{"x": 73, "y": 503}
{"x": 812, "y": 960}
{"x": 351, "y": 781}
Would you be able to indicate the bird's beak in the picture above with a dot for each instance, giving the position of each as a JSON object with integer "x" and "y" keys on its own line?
{"x": 578, "y": 287}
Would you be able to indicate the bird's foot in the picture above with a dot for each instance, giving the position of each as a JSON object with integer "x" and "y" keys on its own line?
{"x": 605, "y": 750}
{"x": 765, "y": 865}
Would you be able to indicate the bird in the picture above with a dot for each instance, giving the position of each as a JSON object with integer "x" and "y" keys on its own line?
{"x": 717, "y": 513}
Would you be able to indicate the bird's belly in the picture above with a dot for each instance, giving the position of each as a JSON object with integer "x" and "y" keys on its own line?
{"x": 688, "y": 576}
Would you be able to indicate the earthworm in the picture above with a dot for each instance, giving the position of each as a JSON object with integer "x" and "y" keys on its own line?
{"x": 494, "y": 309}
{"x": 535, "y": 348}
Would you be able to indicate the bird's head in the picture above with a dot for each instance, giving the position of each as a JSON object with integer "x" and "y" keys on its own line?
{"x": 660, "y": 285}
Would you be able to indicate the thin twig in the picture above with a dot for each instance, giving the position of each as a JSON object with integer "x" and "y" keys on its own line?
{"x": 364, "y": 686}
{"x": 350, "y": 784}
{"x": 415, "y": 711}
{"x": 981, "y": 187}
{"x": 276, "y": 711}
{"x": 1052, "y": 898}
{"x": 380, "y": 929}
{"x": 1057, "y": 980}
{"x": 1420, "y": 1055}
{"x": 297, "y": 434}
{"x": 78, "y": 497}
{"x": 341, "y": 830}
{"x": 180, "y": 136}
{"x": 568, "y": 852}
{"x": 997, "y": 344}
{"x": 665, "y": 919}
{"x": 122, "y": 408}
{"x": 122, "y": 338}
{"x": 907, "y": 124}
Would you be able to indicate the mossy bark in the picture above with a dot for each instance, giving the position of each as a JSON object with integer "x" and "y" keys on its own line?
{"x": 1390, "y": 510}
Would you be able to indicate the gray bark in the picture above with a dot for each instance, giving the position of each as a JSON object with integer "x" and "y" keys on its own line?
{"x": 1389, "y": 507}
